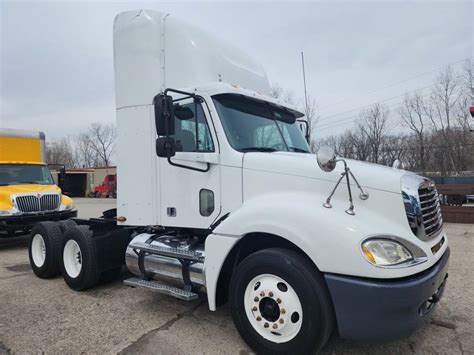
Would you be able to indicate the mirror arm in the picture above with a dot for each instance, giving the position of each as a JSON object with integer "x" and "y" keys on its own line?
{"x": 363, "y": 195}
{"x": 188, "y": 94}
{"x": 196, "y": 97}
{"x": 306, "y": 134}
{"x": 347, "y": 173}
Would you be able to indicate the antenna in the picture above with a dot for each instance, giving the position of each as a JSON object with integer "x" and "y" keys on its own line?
{"x": 304, "y": 82}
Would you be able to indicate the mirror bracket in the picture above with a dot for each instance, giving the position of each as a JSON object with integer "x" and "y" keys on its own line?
{"x": 306, "y": 131}
{"x": 329, "y": 164}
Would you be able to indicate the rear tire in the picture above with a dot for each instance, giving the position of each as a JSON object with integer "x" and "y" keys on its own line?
{"x": 44, "y": 249}
{"x": 280, "y": 303}
{"x": 79, "y": 259}
{"x": 66, "y": 224}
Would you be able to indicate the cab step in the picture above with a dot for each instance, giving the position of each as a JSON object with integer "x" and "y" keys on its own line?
{"x": 170, "y": 252}
{"x": 161, "y": 288}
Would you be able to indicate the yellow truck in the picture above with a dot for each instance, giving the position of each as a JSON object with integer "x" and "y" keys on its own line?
{"x": 28, "y": 193}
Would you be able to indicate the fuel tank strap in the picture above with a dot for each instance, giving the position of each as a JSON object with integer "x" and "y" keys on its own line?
{"x": 141, "y": 261}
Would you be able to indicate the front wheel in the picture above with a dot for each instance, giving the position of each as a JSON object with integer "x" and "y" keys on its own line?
{"x": 280, "y": 303}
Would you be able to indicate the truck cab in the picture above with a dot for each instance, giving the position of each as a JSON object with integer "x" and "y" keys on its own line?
{"x": 28, "y": 193}
{"x": 232, "y": 205}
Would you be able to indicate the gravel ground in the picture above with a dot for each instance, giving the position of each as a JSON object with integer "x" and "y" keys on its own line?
{"x": 46, "y": 316}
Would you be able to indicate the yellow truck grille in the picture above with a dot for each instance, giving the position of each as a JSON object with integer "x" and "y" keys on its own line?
{"x": 37, "y": 203}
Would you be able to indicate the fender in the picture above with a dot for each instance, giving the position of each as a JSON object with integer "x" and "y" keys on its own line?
{"x": 330, "y": 237}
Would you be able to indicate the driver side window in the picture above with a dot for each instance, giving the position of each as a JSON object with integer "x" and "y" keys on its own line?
{"x": 192, "y": 133}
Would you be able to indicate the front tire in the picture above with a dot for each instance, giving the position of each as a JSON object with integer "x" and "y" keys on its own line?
{"x": 44, "y": 249}
{"x": 280, "y": 303}
{"x": 79, "y": 259}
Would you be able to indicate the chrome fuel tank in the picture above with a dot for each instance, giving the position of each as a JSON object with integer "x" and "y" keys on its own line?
{"x": 167, "y": 269}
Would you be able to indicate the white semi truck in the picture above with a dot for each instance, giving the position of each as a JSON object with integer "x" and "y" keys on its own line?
{"x": 220, "y": 197}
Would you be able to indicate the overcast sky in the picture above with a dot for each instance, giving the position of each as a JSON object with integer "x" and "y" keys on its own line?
{"x": 57, "y": 65}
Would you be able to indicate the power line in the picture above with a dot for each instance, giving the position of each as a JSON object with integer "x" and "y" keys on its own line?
{"x": 398, "y": 82}
{"x": 338, "y": 122}
{"x": 428, "y": 147}
{"x": 376, "y": 102}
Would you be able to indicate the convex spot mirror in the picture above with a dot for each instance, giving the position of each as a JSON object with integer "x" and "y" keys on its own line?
{"x": 183, "y": 113}
{"x": 165, "y": 147}
{"x": 164, "y": 114}
{"x": 326, "y": 158}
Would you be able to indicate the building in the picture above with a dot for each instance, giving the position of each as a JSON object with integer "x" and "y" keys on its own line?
{"x": 82, "y": 181}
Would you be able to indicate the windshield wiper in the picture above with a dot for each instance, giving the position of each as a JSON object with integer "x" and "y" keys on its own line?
{"x": 258, "y": 149}
{"x": 29, "y": 182}
{"x": 298, "y": 150}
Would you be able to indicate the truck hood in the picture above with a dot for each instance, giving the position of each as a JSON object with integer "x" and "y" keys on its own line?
{"x": 372, "y": 176}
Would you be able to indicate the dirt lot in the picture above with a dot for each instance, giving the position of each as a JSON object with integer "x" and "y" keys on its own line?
{"x": 46, "y": 316}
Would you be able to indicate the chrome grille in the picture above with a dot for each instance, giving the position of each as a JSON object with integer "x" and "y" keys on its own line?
{"x": 37, "y": 203}
{"x": 430, "y": 209}
{"x": 422, "y": 206}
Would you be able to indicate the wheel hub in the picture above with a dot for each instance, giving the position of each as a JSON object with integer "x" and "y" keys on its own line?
{"x": 269, "y": 309}
{"x": 273, "y": 308}
{"x": 72, "y": 258}
{"x": 38, "y": 250}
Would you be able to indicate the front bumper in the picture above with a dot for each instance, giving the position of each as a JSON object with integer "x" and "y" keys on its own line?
{"x": 26, "y": 221}
{"x": 382, "y": 310}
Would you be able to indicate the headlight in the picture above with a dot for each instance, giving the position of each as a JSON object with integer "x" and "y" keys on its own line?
{"x": 5, "y": 213}
{"x": 385, "y": 252}
{"x": 66, "y": 207}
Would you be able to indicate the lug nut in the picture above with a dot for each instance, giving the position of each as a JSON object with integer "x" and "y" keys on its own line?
{"x": 281, "y": 321}
{"x": 256, "y": 299}
{"x": 266, "y": 325}
{"x": 259, "y": 318}
{"x": 262, "y": 294}
{"x": 282, "y": 311}
{"x": 254, "y": 308}
{"x": 270, "y": 294}
{"x": 275, "y": 326}
{"x": 278, "y": 300}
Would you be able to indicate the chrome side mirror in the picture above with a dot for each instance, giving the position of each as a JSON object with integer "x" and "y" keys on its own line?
{"x": 326, "y": 158}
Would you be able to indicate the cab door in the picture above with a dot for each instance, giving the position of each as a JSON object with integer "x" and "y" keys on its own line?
{"x": 190, "y": 193}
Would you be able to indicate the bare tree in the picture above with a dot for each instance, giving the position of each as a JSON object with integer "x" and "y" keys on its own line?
{"x": 445, "y": 95}
{"x": 277, "y": 92}
{"x": 102, "y": 141}
{"x": 373, "y": 125}
{"x": 413, "y": 116}
{"x": 60, "y": 152}
{"x": 312, "y": 118}
{"x": 86, "y": 155}
{"x": 439, "y": 142}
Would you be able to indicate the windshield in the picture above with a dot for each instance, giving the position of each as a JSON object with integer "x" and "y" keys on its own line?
{"x": 16, "y": 174}
{"x": 253, "y": 125}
